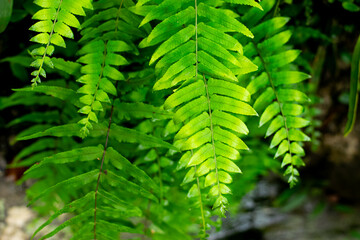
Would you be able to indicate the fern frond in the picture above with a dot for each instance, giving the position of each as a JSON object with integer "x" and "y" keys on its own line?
{"x": 74, "y": 182}
{"x": 117, "y": 173}
{"x": 36, "y": 117}
{"x": 208, "y": 99}
{"x": 108, "y": 36}
{"x": 61, "y": 155}
{"x": 111, "y": 205}
{"x": 44, "y": 120}
{"x": 121, "y": 163}
{"x": 61, "y": 93}
{"x": 75, "y": 205}
{"x": 43, "y": 144}
{"x": 55, "y": 19}
{"x": 130, "y": 135}
{"x": 17, "y": 99}
{"x": 279, "y": 102}
{"x": 67, "y": 130}
{"x": 140, "y": 110}
{"x": 75, "y": 155}
{"x": 78, "y": 219}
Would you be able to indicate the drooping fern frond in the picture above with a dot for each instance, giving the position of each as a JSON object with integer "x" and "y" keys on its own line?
{"x": 72, "y": 183}
{"x": 55, "y": 19}
{"x": 58, "y": 102}
{"x": 160, "y": 166}
{"x": 278, "y": 100}
{"x": 199, "y": 57}
{"x": 136, "y": 103}
{"x": 116, "y": 191}
{"x": 107, "y": 35}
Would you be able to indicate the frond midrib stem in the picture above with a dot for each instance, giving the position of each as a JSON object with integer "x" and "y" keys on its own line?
{"x": 196, "y": 40}
{"x": 196, "y": 76}
{"x": 49, "y": 41}
{"x": 101, "y": 167}
{"x": 277, "y": 98}
{"x": 104, "y": 58}
{"x": 110, "y": 119}
{"x": 200, "y": 198}
{"x": 212, "y": 135}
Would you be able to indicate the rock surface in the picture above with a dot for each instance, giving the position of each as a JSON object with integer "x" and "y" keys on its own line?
{"x": 259, "y": 220}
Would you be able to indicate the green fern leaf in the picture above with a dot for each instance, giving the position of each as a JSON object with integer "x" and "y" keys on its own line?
{"x": 107, "y": 38}
{"x": 74, "y": 182}
{"x": 121, "y": 163}
{"x": 116, "y": 227}
{"x": 65, "y": 94}
{"x": 84, "y": 216}
{"x": 169, "y": 7}
{"x": 56, "y": 18}
{"x": 75, "y": 155}
{"x": 68, "y": 130}
{"x": 71, "y": 207}
{"x": 125, "y": 207}
{"x": 40, "y": 145}
{"x": 174, "y": 41}
{"x": 122, "y": 134}
{"x": 36, "y": 117}
{"x": 140, "y": 110}
{"x": 278, "y": 100}
{"x": 28, "y": 100}
{"x": 246, "y": 2}
{"x": 197, "y": 52}
{"x": 129, "y": 187}
{"x": 29, "y": 161}
{"x": 220, "y": 16}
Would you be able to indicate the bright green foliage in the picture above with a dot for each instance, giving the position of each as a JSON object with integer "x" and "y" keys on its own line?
{"x": 111, "y": 206}
{"x": 278, "y": 100}
{"x": 207, "y": 96}
{"x": 144, "y": 132}
{"x": 55, "y": 19}
{"x": 107, "y": 36}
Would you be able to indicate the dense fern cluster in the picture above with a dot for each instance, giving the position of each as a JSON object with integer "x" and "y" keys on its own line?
{"x": 152, "y": 117}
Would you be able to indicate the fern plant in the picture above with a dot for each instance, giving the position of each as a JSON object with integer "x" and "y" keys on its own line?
{"x": 146, "y": 129}
{"x": 278, "y": 101}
